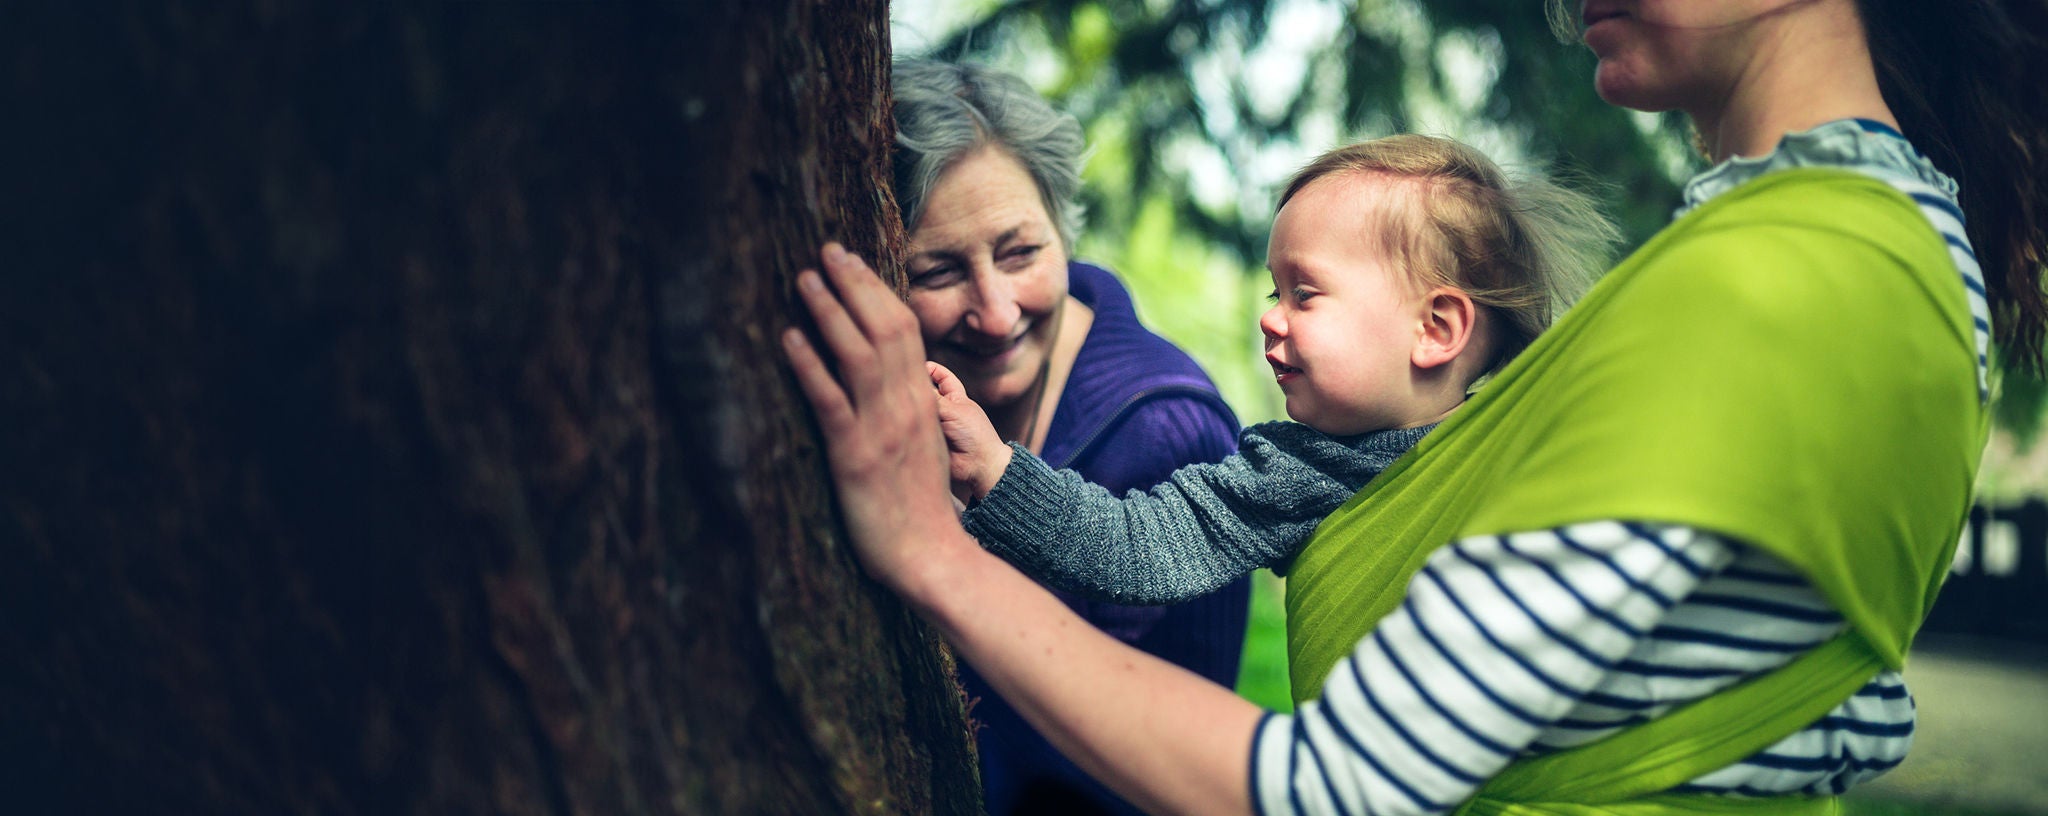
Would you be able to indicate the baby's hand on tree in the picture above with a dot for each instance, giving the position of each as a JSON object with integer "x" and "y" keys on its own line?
{"x": 976, "y": 455}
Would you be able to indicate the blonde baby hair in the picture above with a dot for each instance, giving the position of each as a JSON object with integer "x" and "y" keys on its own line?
{"x": 1525, "y": 248}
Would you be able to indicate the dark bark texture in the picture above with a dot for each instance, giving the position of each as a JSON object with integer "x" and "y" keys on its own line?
{"x": 393, "y": 421}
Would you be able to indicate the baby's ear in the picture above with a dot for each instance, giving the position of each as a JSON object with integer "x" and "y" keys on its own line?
{"x": 1450, "y": 319}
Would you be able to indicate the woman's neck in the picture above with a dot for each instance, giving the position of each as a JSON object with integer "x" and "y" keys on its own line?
{"x": 1029, "y": 418}
{"x": 1806, "y": 67}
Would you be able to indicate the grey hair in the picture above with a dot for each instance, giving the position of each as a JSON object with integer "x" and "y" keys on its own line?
{"x": 946, "y": 111}
{"x": 1564, "y": 25}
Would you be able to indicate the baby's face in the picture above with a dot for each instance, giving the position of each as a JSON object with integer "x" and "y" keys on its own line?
{"x": 1344, "y": 324}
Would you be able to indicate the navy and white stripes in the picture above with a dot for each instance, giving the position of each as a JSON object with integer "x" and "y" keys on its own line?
{"x": 1947, "y": 218}
{"x": 1537, "y": 642}
{"x": 1938, "y": 203}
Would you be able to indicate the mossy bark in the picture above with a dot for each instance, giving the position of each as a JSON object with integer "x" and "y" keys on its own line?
{"x": 393, "y": 422}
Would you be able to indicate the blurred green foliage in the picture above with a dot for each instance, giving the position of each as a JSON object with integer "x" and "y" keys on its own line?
{"x": 1152, "y": 78}
{"x": 1197, "y": 110}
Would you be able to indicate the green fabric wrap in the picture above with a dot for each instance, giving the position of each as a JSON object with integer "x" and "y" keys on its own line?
{"x": 1790, "y": 365}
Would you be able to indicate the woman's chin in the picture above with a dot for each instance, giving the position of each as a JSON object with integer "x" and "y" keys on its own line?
{"x": 992, "y": 389}
{"x": 1622, "y": 83}
{"x": 980, "y": 368}
{"x": 1617, "y": 88}
{"x": 1003, "y": 377}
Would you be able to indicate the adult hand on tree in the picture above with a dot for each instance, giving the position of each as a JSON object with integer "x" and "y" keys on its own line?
{"x": 879, "y": 416}
{"x": 1158, "y": 734}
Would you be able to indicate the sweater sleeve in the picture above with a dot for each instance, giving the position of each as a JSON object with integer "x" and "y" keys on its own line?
{"x": 1203, "y": 527}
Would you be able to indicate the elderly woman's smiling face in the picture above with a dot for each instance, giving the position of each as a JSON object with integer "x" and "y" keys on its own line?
{"x": 988, "y": 277}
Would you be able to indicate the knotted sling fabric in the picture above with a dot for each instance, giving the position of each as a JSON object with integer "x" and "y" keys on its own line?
{"x": 1789, "y": 365}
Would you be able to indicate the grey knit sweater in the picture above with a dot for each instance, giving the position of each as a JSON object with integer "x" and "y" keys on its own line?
{"x": 1191, "y": 534}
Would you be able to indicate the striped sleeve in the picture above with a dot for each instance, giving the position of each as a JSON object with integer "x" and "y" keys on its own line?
{"x": 1861, "y": 739}
{"x": 1946, "y": 217}
{"x": 1499, "y": 638}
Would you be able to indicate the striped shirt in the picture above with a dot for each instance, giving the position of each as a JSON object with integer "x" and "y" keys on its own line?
{"x": 1520, "y": 645}
{"x": 1531, "y": 643}
{"x": 1876, "y": 150}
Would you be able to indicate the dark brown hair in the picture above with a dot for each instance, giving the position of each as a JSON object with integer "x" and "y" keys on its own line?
{"x": 1964, "y": 78}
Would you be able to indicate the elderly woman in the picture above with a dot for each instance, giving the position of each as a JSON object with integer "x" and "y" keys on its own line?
{"x": 1672, "y": 558}
{"x": 986, "y": 174}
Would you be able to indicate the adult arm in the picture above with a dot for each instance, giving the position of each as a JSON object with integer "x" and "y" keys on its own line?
{"x": 1498, "y": 638}
{"x": 1157, "y": 734}
{"x": 1203, "y": 527}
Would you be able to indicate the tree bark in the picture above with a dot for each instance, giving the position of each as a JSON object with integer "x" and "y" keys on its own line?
{"x": 394, "y": 422}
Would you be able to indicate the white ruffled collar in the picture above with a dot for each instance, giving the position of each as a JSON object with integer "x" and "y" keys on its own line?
{"x": 1854, "y": 144}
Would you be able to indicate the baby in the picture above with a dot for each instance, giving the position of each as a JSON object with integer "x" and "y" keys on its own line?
{"x": 1405, "y": 269}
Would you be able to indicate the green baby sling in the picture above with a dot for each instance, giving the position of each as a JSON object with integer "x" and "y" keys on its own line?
{"x": 1791, "y": 366}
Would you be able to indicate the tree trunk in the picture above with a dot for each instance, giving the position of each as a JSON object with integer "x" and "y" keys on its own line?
{"x": 393, "y": 421}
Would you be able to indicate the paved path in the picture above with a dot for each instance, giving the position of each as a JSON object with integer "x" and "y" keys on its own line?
{"x": 1982, "y": 740}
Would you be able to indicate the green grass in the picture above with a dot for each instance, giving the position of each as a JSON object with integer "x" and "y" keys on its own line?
{"x": 1852, "y": 805}
{"x": 1262, "y": 672}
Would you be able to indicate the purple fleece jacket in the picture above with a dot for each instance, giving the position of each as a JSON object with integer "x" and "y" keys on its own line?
{"x": 1135, "y": 409}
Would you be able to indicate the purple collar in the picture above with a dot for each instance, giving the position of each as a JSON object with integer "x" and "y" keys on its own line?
{"x": 1120, "y": 365}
